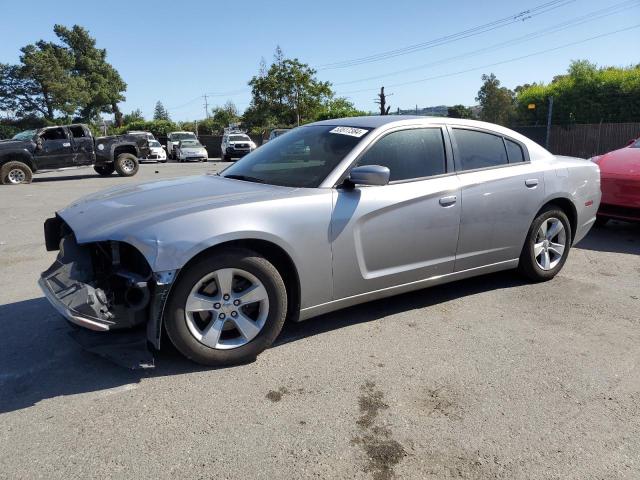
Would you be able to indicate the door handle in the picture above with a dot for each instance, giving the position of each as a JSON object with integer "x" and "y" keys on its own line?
{"x": 531, "y": 182}
{"x": 448, "y": 201}
{"x": 67, "y": 144}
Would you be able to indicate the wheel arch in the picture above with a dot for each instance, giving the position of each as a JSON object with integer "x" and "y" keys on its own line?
{"x": 567, "y": 206}
{"x": 124, "y": 148}
{"x": 18, "y": 157}
{"x": 277, "y": 255}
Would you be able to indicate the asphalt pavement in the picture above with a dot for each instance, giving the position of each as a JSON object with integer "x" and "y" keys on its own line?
{"x": 490, "y": 377}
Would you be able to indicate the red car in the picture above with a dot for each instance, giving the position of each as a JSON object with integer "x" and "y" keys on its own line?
{"x": 620, "y": 184}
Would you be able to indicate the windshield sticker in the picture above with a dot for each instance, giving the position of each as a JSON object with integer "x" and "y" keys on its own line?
{"x": 351, "y": 131}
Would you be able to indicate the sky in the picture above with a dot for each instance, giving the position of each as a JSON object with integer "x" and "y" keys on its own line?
{"x": 177, "y": 52}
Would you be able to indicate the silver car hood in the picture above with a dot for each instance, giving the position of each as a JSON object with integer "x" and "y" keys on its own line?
{"x": 118, "y": 212}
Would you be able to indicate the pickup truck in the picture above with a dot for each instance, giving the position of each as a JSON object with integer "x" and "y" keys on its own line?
{"x": 52, "y": 148}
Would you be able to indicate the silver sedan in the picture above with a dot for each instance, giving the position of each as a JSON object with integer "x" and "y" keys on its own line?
{"x": 332, "y": 214}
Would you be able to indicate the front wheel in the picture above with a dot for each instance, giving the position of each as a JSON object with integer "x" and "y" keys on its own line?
{"x": 15, "y": 173}
{"x": 226, "y": 308}
{"x": 126, "y": 165}
{"x": 547, "y": 246}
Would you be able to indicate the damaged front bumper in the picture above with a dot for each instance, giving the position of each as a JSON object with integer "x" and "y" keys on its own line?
{"x": 104, "y": 286}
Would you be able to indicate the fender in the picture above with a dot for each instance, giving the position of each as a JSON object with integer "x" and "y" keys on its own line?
{"x": 19, "y": 155}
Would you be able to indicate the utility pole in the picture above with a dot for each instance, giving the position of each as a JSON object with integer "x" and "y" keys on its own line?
{"x": 206, "y": 106}
{"x": 382, "y": 101}
{"x": 549, "y": 115}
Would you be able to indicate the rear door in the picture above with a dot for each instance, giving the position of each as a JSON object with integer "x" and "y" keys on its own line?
{"x": 383, "y": 236}
{"x": 82, "y": 142}
{"x": 501, "y": 191}
{"x": 55, "y": 149}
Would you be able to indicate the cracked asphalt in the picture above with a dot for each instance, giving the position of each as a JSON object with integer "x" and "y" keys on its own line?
{"x": 486, "y": 378}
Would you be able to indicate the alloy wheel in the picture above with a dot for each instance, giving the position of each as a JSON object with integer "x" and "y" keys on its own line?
{"x": 227, "y": 308}
{"x": 16, "y": 176}
{"x": 550, "y": 244}
{"x": 128, "y": 165}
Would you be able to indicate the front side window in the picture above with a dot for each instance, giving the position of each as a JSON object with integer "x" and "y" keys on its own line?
{"x": 304, "y": 157}
{"x": 479, "y": 149}
{"x": 54, "y": 134}
{"x": 409, "y": 154}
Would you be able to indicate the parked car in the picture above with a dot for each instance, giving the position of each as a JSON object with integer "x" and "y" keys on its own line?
{"x": 174, "y": 138}
{"x": 52, "y": 148}
{"x": 277, "y": 132}
{"x": 236, "y": 145}
{"x": 156, "y": 152}
{"x": 620, "y": 184}
{"x": 385, "y": 205}
{"x": 149, "y": 135}
{"x": 191, "y": 151}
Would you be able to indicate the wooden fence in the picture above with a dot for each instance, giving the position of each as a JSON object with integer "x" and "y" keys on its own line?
{"x": 584, "y": 140}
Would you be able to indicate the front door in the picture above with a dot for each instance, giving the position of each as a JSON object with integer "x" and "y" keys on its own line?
{"x": 54, "y": 149}
{"x": 405, "y": 231}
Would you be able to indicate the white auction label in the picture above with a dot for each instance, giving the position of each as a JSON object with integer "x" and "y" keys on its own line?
{"x": 351, "y": 131}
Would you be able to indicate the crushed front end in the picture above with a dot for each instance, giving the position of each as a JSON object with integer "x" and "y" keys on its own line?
{"x": 104, "y": 286}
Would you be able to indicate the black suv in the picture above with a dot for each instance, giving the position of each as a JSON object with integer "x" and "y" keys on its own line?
{"x": 52, "y": 148}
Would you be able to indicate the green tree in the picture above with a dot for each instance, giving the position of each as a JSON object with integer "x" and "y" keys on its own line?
{"x": 104, "y": 86}
{"x": 338, "y": 107}
{"x": 585, "y": 94}
{"x": 497, "y": 102}
{"x": 459, "y": 111}
{"x": 287, "y": 93}
{"x": 223, "y": 116}
{"x": 134, "y": 116}
{"x": 160, "y": 113}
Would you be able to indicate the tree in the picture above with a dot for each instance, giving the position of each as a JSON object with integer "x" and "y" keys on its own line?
{"x": 71, "y": 78}
{"x": 104, "y": 86}
{"x": 382, "y": 102}
{"x": 135, "y": 116}
{"x": 338, "y": 107}
{"x": 585, "y": 94}
{"x": 225, "y": 115}
{"x": 160, "y": 113}
{"x": 497, "y": 102}
{"x": 288, "y": 93}
{"x": 459, "y": 111}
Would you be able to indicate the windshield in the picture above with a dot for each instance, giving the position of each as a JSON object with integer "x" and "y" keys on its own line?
{"x": 239, "y": 138}
{"x": 182, "y": 136}
{"x": 26, "y": 135}
{"x": 302, "y": 158}
{"x": 154, "y": 143}
{"x": 190, "y": 143}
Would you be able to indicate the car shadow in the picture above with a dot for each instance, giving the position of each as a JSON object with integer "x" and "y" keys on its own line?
{"x": 614, "y": 237}
{"x": 39, "y": 360}
{"x": 37, "y": 179}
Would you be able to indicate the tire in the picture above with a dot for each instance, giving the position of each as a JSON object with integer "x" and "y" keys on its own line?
{"x": 183, "y": 325}
{"x": 226, "y": 158}
{"x": 163, "y": 161}
{"x": 532, "y": 266}
{"x": 601, "y": 221}
{"x": 104, "y": 170}
{"x": 15, "y": 173}
{"x": 127, "y": 165}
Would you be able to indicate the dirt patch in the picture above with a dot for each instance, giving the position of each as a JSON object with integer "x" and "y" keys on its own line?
{"x": 441, "y": 402}
{"x": 383, "y": 452}
{"x": 276, "y": 395}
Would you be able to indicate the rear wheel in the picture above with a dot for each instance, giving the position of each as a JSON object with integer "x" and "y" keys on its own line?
{"x": 15, "y": 173}
{"x": 105, "y": 170}
{"x": 226, "y": 308}
{"x": 126, "y": 165}
{"x": 547, "y": 246}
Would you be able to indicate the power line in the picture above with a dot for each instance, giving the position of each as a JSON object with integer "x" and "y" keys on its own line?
{"x": 595, "y": 15}
{"x": 540, "y": 52}
{"x": 487, "y": 27}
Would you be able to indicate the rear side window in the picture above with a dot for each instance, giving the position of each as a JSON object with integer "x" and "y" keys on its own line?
{"x": 479, "y": 150}
{"x": 77, "y": 132}
{"x": 409, "y": 154}
{"x": 514, "y": 151}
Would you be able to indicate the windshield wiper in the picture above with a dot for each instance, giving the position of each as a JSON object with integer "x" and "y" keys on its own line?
{"x": 246, "y": 178}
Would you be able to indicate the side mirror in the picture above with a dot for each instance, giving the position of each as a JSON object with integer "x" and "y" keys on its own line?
{"x": 631, "y": 142}
{"x": 38, "y": 143}
{"x": 164, "y": 146}
{"x": 374, "y": 175}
